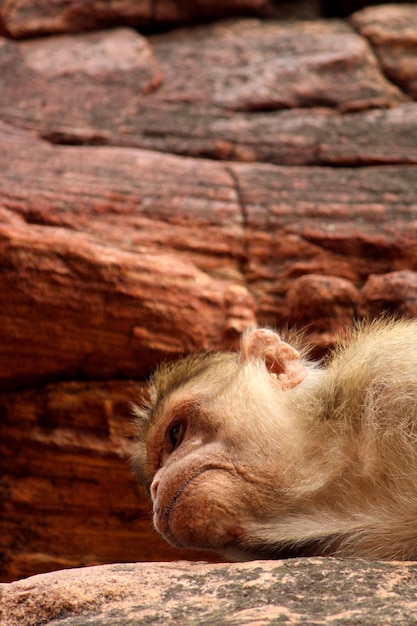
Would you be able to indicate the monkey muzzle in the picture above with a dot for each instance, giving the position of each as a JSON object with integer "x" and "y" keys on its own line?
{"x": 202, "y": 513}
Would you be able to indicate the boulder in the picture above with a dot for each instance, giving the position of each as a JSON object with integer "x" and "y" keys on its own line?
{"x": 40, "y": 17}
{"x": 299, "y": 591}
{"x": 392, "y": 31}
{"x": 216, "y": 90}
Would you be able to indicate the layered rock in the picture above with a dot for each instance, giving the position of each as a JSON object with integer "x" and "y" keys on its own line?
{"x": 28, "y": 18}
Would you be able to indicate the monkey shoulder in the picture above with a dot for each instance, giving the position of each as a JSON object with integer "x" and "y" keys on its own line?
{"x": 371, "y": 375}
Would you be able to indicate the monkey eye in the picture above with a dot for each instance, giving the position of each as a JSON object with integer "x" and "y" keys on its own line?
{"x": 175, "y": 434}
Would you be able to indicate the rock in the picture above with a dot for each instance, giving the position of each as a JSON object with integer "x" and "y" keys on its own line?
{"x": 127, "y": 314}
{"x": 298, "y": 591}
{"x": 392, "y": 31}
{"x": 256, "y": 66}
{"x": 340, "y": 222}
{"x": 119, "y": 246}
{"x": 395, "y": 292}
{"x": 49, "y": 77}
{"x": 187, "y": 91}
{"x": 226, "y": 240}
{"x": 68, "y": 495}
{"x": 324, "y": 305}
{"x": 29, "y": 18}
{"x": 314, "y": 136}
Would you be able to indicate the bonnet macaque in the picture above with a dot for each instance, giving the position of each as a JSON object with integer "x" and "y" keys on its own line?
{"x": 263, "y": 454}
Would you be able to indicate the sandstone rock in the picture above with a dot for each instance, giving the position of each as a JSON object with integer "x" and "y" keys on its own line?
{"x": 392, "y": 31}
{"x": 298, "y": 591}
{"x": 323, "y": 305}
{"x": 315, "y": 136}
{"x": 341, "y": 222}
{"x": 395, "y": 292}
{"x": 127, "y": 315}
{"x": 253, "y": 66}
{"x": 23, "y": 18}
{"x": 47, "y": 79}
{"x": 186, "y": 91}
{"x": 55, "y": 237}
{"x": 100, "y": 217}
{"x": 68, "y": 495}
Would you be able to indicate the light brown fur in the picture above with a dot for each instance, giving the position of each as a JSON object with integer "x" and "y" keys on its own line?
{"x": 279, "y": 457}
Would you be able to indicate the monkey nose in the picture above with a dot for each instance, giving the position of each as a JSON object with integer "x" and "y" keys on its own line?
{"x": 154, "y": 489}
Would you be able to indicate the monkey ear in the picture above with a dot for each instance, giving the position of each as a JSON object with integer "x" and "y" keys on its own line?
{"x": 282, "y": 360}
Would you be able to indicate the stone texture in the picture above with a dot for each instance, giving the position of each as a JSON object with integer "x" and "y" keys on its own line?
{"x": 395, "y": 292}
{"x": 191, "y": 92}
{"x": 339, "y": 222}
{"x": 324, "y": 305}
{"x": 314, "y": 136}
{"x": 299, "y": 591}
{"x": 45, "y": 80}
{"x": 120, "y": 249}
{"x": 222, "y": 228}
{"x": 392, "y": 31}
{"x": 67, "y": 494}
{"x": 23, "y": 18}
{"x": 253, "y": 66}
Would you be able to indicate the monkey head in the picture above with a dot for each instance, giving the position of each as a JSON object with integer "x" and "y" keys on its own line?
{"x": 208, "y": 448}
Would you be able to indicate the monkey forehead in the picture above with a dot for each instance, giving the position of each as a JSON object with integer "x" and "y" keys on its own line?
{"x": 210, "y": 367}
{"x": 209, "y": 380}
{"x": 234, "y": 394}
{"x": 196, "y": 374}
{"x": 173, "y": 378}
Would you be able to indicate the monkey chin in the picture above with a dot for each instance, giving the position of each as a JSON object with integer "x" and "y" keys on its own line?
{"x": 196, "y": 515}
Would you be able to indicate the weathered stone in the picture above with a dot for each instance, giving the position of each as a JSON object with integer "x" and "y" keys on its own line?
{"x": 71, "y": 218}
{"x": 324, "y": 305}
{"x": 68, "y": 496}
{"x": 340, "y": 222}
{"x": 316, "y": 136}
{"x": 392, "y": 31}
{"x": 137, "y": 201}
{"x": 222, "y": 228}
{"x": 49, "y": 78}
{"x": 132, "y": 310}
{"x": 395, "y": 293}
{"x": 179, "y": 94}
{"x": 23, "y": 18}
{"x": 299, "y": 591}
{"x": 253, "y": 66}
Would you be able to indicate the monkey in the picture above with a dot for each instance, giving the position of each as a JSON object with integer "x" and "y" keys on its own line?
{"x": 264, "y": 454}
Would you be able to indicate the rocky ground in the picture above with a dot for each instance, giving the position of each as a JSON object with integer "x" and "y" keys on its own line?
{"x": 165, "y": 181}
{"x": 312, "y": 592}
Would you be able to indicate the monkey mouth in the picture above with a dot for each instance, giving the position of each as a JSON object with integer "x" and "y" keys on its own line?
{"x": 163, "y": 517}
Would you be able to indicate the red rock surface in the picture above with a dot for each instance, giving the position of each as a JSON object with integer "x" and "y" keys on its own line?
{"x": 20, "y": 18}
{"x": 68, "y": 493}
{"x": 158, "y": 194}
{"x": 392, "y": 32}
